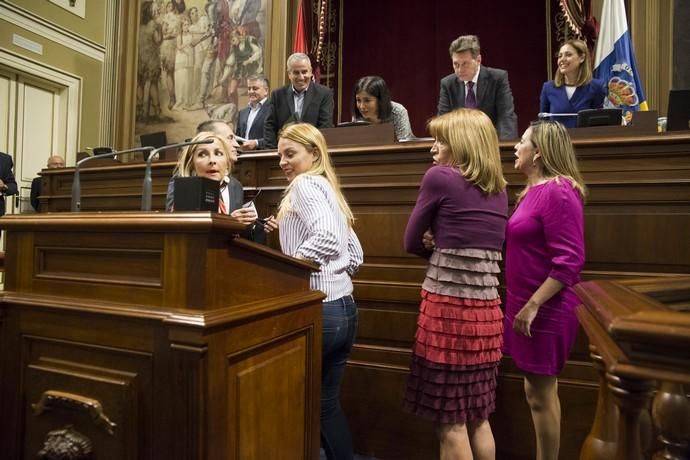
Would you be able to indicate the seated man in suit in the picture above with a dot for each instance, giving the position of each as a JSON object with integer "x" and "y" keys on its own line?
{"x": 480, "y": 87}
{"x": 250, "y": 122}
{"x": 8, "y": 185}
{"x": 300, "y": 101}
{"x": 54, "y": 161}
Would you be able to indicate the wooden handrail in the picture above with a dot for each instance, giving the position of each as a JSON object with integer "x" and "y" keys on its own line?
{"x": 638, "y": 344}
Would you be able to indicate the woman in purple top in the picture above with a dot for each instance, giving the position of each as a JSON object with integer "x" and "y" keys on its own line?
{"x": 545, "y": 251}
{"x": 458, "y": 223}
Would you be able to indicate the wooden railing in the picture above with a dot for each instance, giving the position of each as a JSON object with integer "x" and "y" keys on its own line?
{"x": 639, "y": 333}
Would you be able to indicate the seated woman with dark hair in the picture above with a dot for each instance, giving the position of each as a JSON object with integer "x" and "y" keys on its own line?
{"x": 371, "y": 101}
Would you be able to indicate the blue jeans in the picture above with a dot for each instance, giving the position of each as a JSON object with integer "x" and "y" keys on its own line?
{"x": 339, "y": 329}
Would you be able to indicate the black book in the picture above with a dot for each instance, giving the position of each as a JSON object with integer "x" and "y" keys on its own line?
{"x": 196, "y": 194}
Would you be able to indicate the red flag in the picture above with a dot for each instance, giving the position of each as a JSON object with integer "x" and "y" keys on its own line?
{"x": 300, "y": 43}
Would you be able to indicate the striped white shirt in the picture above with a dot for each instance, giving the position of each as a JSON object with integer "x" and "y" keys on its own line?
{"x": 315, "y": 228}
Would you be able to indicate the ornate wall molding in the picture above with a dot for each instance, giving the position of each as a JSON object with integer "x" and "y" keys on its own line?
{"x": 72, "y": 83}
{"x": 29, "y": 21}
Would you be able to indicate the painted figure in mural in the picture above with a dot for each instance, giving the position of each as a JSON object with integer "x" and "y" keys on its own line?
{"x": 234, "y": 50}
{"x": 170, "y": 25}
{"x": 184, "y": 65}
{"x": 218, "y": 49}
{"x": 149, "y": 66}
{"x": 198, "y": 29}
{"x": 245, "y": 59}
{"x": 244, "y": 13}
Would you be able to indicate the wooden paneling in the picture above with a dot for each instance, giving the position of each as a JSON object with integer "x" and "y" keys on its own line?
{"x": 636, "y": 222}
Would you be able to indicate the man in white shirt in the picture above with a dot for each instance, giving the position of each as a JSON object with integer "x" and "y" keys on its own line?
{"x": 300, "y": 101}
{"x": 250, "y": 122}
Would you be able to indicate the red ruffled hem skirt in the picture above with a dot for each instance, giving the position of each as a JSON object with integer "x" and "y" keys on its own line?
{"x": 455, "y": 359}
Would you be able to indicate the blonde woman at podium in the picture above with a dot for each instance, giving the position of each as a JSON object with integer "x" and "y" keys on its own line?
{"x": 315, "y": 224}
{"x": 215, "y": 161}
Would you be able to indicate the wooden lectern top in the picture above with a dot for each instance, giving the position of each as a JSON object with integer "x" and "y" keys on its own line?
{"x": 192, "y": 260}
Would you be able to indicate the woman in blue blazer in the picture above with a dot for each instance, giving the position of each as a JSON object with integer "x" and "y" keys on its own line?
{"x": 572, "y": 88}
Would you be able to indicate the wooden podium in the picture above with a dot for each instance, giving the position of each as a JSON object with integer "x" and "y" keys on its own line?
{"x": 155, "y": 336}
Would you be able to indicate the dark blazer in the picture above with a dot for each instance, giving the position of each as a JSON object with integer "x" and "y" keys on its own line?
{"x": 316, "y": 110}
{"x": 7, "y": 177}
{"x": 257, "y": 131}
{"x": 35, "y": 193}
{"x": 494, "y": 98}
{"x": 255, "y": 233}
{"x": 555, "y": 100}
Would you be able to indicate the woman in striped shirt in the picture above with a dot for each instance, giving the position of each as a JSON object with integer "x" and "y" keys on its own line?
{"x": 315, "y": 224}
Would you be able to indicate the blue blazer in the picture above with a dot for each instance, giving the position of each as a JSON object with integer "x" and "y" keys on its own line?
{"x": 555, "y": 100}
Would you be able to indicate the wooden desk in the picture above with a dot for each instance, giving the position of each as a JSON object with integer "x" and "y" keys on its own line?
{"x": 636, "y": 223}
{"x": 155, "y": 336}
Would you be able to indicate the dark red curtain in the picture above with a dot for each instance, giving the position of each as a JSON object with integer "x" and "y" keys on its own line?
{"x": 406, "y": 42}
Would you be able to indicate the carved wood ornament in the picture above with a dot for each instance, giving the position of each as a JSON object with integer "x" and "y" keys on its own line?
{"x": 66, "y": 444}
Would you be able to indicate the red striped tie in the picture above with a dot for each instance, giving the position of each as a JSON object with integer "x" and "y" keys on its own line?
{"x": 221, "y": 204}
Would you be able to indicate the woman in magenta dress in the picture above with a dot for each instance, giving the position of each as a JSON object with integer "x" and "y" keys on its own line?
{"x": 544, "y": 255}
{"x": 458, "y": 223}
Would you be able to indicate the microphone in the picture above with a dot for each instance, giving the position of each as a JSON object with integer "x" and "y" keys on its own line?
{"x": 76, "y": 184}
{"x": 147, "y": 191}
{"x": 541, "y": 115}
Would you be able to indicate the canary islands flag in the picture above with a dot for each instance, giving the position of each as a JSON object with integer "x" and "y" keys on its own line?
{"x": 614, "y": 61}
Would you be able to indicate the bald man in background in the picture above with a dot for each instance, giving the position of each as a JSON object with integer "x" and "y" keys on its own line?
{"x": 54, "y": 161}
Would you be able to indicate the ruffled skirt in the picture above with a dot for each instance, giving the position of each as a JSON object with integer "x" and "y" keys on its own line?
{"x": 459, "y": 336}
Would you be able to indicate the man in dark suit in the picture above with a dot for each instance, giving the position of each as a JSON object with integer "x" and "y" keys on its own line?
{"x": 480, "y": 87}
{"x": 300, "y": 101}
{"x": 54, "y": 161}
{"x": 250, "y": 122}
{"x": 8, "y": 186}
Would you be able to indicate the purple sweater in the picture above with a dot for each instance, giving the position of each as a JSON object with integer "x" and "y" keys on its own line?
{"x": 459, "y": 214}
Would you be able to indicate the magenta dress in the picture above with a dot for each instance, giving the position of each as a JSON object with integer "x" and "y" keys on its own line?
{"x": 544, "y": 238}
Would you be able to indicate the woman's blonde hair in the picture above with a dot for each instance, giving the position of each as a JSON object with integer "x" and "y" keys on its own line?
{"x": 557, "y": 155}
{"x": 473, "y": 144}
{"x": 584, "y": 71}
{"x": 185, "y": 165}
{"x": 312, "y": 140}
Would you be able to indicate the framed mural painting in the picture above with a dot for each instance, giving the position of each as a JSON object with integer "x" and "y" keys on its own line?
{"x": 193, "y": 59}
